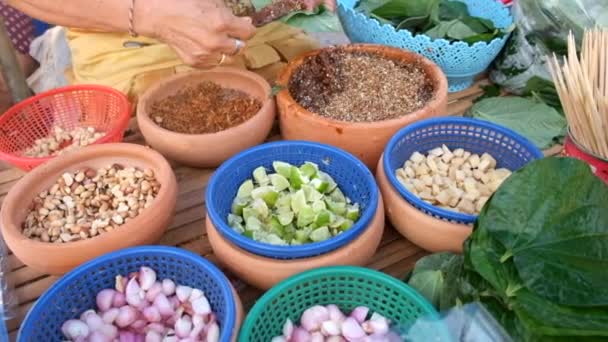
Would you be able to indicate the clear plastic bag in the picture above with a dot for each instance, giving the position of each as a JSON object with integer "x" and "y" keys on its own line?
{"x": 542, "y": 29}
{"x": 8, "y": 299}
{"x": 467, "y": 323}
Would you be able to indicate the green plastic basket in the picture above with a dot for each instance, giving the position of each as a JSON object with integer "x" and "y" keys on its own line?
{"x": 345, "y": 286}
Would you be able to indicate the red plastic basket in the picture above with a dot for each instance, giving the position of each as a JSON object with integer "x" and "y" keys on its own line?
{"x": 104, "y": 108}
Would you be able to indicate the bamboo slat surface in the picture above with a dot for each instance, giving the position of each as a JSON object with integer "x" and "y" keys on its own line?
{"x": 395, "y": 256}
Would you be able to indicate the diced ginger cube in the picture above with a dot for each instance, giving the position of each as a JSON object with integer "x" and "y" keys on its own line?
{"x": 417, "y": 157}
{"x": 484, "y": 190}
{"x": 460, "y": 175}
{"x": 427, "y": 180}
{"x": 453, "y": 202}
{"x": 466, "y": 155}
{"x": 466, "y": 206}
{"x": 435, "y": 189}
{"x": 421, "y": 170}
{"x": 408, "y": 163}
{"x": 468, "y": 172}
{"x": 445, "y": 149}
{"x": 437, "y": 179}
{"x": 441, "y": 166}
{"x": 472, "y": 195}
{"x": 444, "y": 197}
{"x": 470, "y": 184}
{"x": 487, "y": 156}
{"x": 452, "y": 172}
{"x": 456, "y": 192}
{"x": 446, "y": 157}
{"x": 426, "y": 195}
{"x": 457, "y": 162}
{"x": 485, "y": 178}
{"x": 477, "y": 174}
{"x": 459, "y": 152}
{"x": 484, "y": 165}
{"x": 437, "y": 152}
{"x": 419, "y": 185}
{"x": 409, "y": 172}
{"x": 401, "y": 174}
{"x": 474, "y": 160}
{"x": 430, "y": 162}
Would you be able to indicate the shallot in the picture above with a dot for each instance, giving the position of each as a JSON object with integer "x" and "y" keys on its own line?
{"x": 329, "y": 324}
{"x": 144, "y": 308}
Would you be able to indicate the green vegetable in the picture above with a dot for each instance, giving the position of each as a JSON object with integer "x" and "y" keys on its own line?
{"x": 294, "y": 205}
{"x": 436, "y": 18}
{"x": 536, "y": 258}
{"x": 542, "y": 124}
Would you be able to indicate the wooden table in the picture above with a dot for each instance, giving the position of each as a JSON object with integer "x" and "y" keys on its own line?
{"x": 395, "y": 256}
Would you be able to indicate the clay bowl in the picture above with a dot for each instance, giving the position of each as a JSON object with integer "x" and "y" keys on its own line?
{"x": 264, "y": 273}
{"x": 207, "y": 150}
{"x": 366, "y": 140}
{"x": 431, "y": 233}
{"x": 53, "y": 258}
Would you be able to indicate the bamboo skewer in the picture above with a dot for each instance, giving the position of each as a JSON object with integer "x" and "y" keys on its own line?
{"x": 582, "y": 86}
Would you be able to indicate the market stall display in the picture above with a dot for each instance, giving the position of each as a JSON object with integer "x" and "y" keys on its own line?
{"x": 460, "y": 60}
{"x": 348, "y": 288}
{"x": 59, "y": 304}
{"x": 33, "y": 130}
{"x": 209, "y": 142}
{"x": 511, "y": 152}
{"x": 312, "y": 108}
{"x": 88, "y": 227}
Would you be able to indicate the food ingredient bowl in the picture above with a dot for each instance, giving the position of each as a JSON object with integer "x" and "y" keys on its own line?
{"x": 75, "y": 292}
{"x": 345, "y": 286}
{"x": 460, "y": 61}
{"x": 365, "y": 140}
{"x": 54, "y": 258}
{"x": 354, "y": 245}
{"x": 429, "y": 226}
{"x": 103, "y": 108}
{"x": 208, "y": 150}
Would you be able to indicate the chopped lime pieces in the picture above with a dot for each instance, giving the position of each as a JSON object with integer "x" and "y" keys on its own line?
{"x": 309, "y": 169}
{"x": 279, "y": 182}
{"x": 292, "y": 206}
{"x": 245, "y": 189}
{"x": 320, "y": 234}
{"x": 260, "y": 176}
{"x": 282, "y": 168}
{"x": 305, "y": 217}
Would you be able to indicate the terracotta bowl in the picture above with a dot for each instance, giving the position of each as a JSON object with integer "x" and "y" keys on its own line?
{"x": 208, "y": 150}
{"x": 366, "y": 140}
{"x": 263, "y": 272}
{"x": 428, "y": 232}
{"x": 52, "y": 258}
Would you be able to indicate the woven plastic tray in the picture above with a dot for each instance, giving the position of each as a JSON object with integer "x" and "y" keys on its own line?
{"x": 345, "y": 286}
{"x": 76, "y": 291}
{"x": 460, "y": 61}
{"x": 351, "y": 175}
{"x": 511, "y": 151}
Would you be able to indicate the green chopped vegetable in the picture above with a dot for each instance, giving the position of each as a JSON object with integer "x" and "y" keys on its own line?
{"x": 292, "y": 206}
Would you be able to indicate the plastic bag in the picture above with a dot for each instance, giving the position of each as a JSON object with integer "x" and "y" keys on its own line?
{"x": 467, "y": 323}
{"x": 8, "y": 298}
{"x": 542, "y": 29}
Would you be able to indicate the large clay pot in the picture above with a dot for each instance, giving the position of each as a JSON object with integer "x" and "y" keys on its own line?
{"x": 208, "y": 150}
{"x": 58, "y": 258}
{"x": 263, "y": 272}
{"x": 366, "y": 140}
{"x": 428, "y": 232}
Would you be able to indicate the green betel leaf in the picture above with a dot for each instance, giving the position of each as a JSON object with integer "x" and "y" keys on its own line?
{"x": 550, "y": 221}
{"x": 535, "y": 120}
{"x": 460, "y": 31}
{"x": 452, "y": 10}
{"x": 402, "y": 9}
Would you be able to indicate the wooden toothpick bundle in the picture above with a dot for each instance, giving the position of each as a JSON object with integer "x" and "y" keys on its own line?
{"x": 582, "y": 85}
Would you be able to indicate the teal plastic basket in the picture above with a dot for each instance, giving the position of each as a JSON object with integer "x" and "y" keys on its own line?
{"x": 345, "y": 286}
{"x": 460, "y": 61}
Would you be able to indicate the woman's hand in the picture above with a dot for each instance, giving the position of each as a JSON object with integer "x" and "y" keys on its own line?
{"x": 204, "y": 33}
{"x": 312, "y": 4}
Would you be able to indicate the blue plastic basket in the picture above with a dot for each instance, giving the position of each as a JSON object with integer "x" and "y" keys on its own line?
{"x": 460, "y": 61}
{"x": 511, "y": 151}
{"x": 76, "y": 291}
{"x": 351, "y": 175}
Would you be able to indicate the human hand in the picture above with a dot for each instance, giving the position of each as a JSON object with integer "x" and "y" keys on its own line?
{"x": 312, "y": 4}
{"x": 204, "y": 33}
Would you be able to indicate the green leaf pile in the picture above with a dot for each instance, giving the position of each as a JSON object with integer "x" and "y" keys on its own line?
{"x": 537, "y": 258}
{"x": 435, "y": 18}
{"x": 533, "y": 119}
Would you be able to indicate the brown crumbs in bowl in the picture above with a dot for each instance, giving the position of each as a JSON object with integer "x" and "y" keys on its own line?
{"x": 359, "y": 86}
{"x": 204, "y": 108}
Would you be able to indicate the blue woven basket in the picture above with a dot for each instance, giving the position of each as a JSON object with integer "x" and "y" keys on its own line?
{"x": 460, "y": 61}
{"x": 351, "y": 175}
{"x": 511, "y": 151}
{"x": 76, "y": 291}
